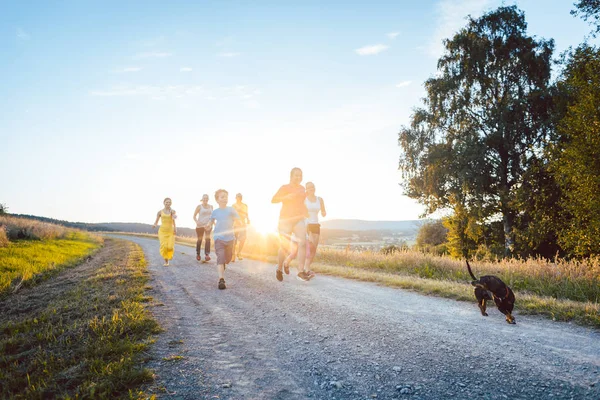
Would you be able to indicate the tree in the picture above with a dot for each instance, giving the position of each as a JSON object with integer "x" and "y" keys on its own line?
{"x": 575, "y": 161}
{"x": 3, "y": 209}
{"x": 589, "y": 10}
{"x": 432, "y": 234}
{"x": 485, "y": 120}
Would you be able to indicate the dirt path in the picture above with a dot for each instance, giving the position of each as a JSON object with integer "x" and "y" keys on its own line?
{"x": 333, "y": 338}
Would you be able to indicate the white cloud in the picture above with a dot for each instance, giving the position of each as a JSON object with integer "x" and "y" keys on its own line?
{"x": 392, "y": 35}
{"x": 403, "y": 84}
{"x": 230, "y": 54}
{"x": 240, "y": 92}
{"x": 153, "y": 54}
{"x": 371, "y": 50}
{"x": 451, "y": 17}
{"x": 21, "y": 34}
{"x": 185, "y": 69}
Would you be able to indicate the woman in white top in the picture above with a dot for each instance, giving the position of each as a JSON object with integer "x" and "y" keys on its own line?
{"x": 314, "y": 205}
{"x": 203, "y": 227}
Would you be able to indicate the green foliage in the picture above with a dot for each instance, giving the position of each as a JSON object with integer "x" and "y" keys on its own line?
{"x": 576, "y": 164}
{"x": 536, "y": 226}
{"x": 432, "y": 234}
{"x": 3, "y": 209}
{"x": 486, "y": 115}
{"x": 589, "y": 10}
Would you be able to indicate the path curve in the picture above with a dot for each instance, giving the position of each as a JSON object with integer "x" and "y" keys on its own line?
{"x": 333, "y": 338}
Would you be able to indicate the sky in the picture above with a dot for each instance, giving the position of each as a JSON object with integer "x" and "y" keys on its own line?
{"x": 106, "y": 108}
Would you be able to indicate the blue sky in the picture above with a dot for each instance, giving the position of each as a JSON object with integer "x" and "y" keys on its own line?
{"x": 108, "y": 107}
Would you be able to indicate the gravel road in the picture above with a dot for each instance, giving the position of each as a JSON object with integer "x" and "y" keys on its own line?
{"x": 334, "y": 338}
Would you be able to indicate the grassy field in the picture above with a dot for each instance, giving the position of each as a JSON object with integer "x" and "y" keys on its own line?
{"x": 81, "y": 334}
{"x": 26, "y": 262}
{"x": 31, "y": 251}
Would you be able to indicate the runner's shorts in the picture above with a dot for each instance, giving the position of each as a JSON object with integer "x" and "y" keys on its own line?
{"x": 313, "y": 228}
{"x": 224, "y": 251}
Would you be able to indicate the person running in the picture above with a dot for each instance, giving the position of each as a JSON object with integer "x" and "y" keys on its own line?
{"x": 224, "y": 217}
{"x": 239, "y": 228}
{"x": 291, "y": 220}
{"x": 314, "y": 205}
{"x": 167, "y": 230}
{"x": 294, "y": 253}
{"x": 203, "y": 227}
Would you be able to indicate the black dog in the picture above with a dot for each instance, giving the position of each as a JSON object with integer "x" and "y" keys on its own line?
{"x": 491, "y": 287}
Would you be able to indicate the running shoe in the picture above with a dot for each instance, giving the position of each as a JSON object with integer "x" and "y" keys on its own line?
{"x": 166, "y": 264}
{"x": 239, "y": 257}
{"x": 286, "y": 268}
{"x": 222, "y": 284}
{"x": 279, "y": 275}
{"x": 207, "y": 258}
{"x": 303, "y": 276}
{"x": 311, "y": 274}
{"x": 198, "y": 257}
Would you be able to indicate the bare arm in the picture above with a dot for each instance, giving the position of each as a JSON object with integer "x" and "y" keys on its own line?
{"x": 279, "y": 197}
{"x": 323, "y": 212}
{"x": 196, "y": 213}
{"x": 157, "y": 218}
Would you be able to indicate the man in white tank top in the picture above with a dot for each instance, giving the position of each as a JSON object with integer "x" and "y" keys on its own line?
{"x": 203, "y": 227}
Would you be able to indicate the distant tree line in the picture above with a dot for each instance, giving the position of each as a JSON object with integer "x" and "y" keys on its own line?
{"x": 508, "y": 153}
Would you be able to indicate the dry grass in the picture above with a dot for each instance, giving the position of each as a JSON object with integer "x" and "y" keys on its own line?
{"x": 573, "y": 280}
{"x": 30, "y": 229}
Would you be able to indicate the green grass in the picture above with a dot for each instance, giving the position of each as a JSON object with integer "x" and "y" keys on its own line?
{"x": 82, "y": 334}
{"x": 25, "y": 262}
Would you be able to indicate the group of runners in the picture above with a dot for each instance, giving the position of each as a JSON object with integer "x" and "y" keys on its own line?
{"x": 299, "y": 228}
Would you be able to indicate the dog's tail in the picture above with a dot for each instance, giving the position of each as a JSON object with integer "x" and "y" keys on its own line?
{"x": 470, "y": 272}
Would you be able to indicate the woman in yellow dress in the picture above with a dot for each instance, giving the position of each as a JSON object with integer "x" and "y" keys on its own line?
{"x": 167, "y": 230}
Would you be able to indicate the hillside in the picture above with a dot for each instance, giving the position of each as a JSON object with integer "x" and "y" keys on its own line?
{"x": 407, "y": 227}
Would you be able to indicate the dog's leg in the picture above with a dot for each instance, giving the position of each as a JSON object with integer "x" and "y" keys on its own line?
{"x": 509, "y": 318}
{"x": 482, "y": 306}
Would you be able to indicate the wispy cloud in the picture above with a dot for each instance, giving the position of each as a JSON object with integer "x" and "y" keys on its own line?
{"x": 229, "y": 54}
{"x": 21, "y": 34}
{"x": 152, "y": 54}
{"x": 185, "y": 69}
{"x": 392, "y": 35}
{"x": 371, "y": 50}
{"x": 451, "y": 17}
{"x": 242, "y": 93}
{"x": 403, "y": 84}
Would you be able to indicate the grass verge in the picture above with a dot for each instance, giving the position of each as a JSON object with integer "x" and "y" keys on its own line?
{"x": 585, "y": 313}
{"x": 81, "y": 334}
{"x": 26, "y": 262}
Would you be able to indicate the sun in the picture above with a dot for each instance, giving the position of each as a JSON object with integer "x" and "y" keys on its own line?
{"x": 264, "y": 227}
{"x": 263, "y": 221}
